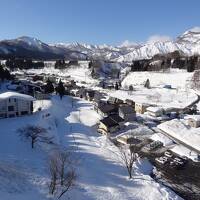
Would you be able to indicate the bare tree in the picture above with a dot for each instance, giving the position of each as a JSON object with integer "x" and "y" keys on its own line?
{"x": 128, "y": 158}
{"x": 68, "y": 181}
{"x": 35, "y": 134}
{"x": 53, "y": 170}
{"x": 64, "y": 162}
{"x": 195, "y": 81}
{"x": 62, "y": 172}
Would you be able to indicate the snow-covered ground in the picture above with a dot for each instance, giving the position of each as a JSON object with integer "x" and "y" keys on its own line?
{"x": 175, "y": 77}
{"x": 179, "y": 96}
{"x": 24, "y": 175}
{"x": 166, "y": 98}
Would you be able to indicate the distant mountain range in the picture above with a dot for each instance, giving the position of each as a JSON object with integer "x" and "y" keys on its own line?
{"x": 26, "y": 47}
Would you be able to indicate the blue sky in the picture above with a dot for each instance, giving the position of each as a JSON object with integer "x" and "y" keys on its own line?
{"x": 97, "y": 21}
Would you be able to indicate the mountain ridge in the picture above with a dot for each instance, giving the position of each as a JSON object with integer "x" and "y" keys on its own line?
{"x": 29, "y": 47}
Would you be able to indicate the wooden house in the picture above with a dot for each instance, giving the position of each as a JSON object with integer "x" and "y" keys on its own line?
{"x": 105, "y": 109}
{"x": 127, "y": 112}
{"x": 141, "y": 107}
{"x": 114, "y": 100}
{"x": 110, "y": 124}
{"x": 130, "y": 103}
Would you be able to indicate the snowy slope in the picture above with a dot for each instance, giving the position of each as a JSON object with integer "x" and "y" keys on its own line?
{"x": 23, "y": 173}
{"x": 188, "y": 43}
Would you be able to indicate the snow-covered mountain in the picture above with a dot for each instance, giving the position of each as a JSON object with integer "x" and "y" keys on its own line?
{"x": 188, "y": 43}
{"x": 28, "y": 47}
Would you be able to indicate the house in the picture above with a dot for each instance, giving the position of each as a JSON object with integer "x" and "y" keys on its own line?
{"x": 14, "y": 104}
{"x": 110, "y": 124}
{"x": 130, "y": 103}
{"x": 127, "y": 112}
{"x": 128, "y": 139}
{"x": 114, "y": 100}
{"x": 105, "y": 109}
{"x": 194, "y": 121}
{"x": 155, "y": 111}
{"x": 141, "y": 107}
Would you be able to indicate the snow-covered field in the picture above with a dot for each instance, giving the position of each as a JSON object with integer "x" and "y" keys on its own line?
{"x": 166, "y": 98}
{"x": 78, "y": 73}
{"x": 175, "y": 77}
{"x": 24, "y": 175}
{"x": 179, "y": 96}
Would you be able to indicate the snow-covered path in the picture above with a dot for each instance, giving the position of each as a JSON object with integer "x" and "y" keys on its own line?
{"x": 100, "y": 174}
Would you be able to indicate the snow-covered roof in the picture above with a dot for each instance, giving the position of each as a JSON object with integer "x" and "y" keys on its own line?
{"x": 139, "y": 131}
{"x": 154, "y": 109}
{"x": 179, "y": 130}
{"x": 16, "y": 95}
{"x": 194, "y": 117}
{"x": 162, "y": 138}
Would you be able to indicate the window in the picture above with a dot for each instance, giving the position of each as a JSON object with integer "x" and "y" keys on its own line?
{"x": 15, "y": 100}
{"x": 24, "y": 112}
{"x": 10, "y": 108}
{"x": 2, "y": 115}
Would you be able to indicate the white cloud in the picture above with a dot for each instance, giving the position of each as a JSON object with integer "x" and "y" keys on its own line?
{"x": 128, "y": 43}
{"x": 158, "y": 38}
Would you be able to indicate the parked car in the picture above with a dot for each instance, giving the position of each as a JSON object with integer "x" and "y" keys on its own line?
{"x": 177, "y": 159}
{"x": 184, "y": 159}
{"x": 162, "y": 160}
{"x": 168, "y": 154}
{"x": 178, "y": 162}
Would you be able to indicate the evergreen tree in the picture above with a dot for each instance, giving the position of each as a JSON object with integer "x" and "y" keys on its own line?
{"x": 49, "y": 88}
{"x": 1, "y": 73}
{"x": 60, "y": 89}
{"x": 147, "y": 84}
{"x": 103, "y": 85}
{"x": 119, "y": 84}
{"x": 7, "y": 75}
{"x": 116, "y": 86}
